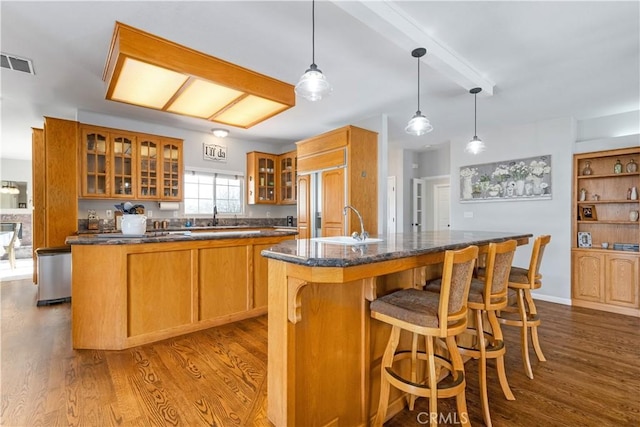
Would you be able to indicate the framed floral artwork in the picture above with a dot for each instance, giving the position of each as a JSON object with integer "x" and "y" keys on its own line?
{"x": 521, "y": 179}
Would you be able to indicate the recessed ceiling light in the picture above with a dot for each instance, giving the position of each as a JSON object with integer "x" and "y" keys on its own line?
{"x": 220, "y": 133}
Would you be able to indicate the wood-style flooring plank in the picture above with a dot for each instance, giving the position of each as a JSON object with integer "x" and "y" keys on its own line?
{"x": 217, "y": 377}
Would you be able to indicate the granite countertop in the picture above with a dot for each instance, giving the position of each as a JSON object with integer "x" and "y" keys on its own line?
{"x": 314, "y": 253}
{"x": 159, "y": 236}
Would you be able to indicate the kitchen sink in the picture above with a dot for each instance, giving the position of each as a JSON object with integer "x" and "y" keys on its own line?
{"x": 345, "y": 240}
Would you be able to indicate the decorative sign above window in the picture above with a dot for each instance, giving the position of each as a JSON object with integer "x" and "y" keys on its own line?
{"x": 521, "y": 179}
{"x": 216, "y": 153}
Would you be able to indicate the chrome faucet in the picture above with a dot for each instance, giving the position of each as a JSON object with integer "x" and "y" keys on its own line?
{"x": 215, "y": 220}
{"x": 363, "y": 234}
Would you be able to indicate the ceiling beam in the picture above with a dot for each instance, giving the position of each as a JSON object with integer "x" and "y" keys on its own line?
{"x": 389, "y": 20}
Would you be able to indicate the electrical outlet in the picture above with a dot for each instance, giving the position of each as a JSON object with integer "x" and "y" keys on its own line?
{"x": 468, "y": 214}
{"x": 149, "y": 214}
{"x": 109, "y": 214}
{"x": 175, "y": 214}
{"x": 268, "y": 214}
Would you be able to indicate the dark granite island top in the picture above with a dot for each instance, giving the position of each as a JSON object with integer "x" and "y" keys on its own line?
{"x": 324, "y": 349}
{"x": 315, "y": 253}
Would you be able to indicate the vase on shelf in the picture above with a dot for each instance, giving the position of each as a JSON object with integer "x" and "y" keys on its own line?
{"x": 587, "y": 169}
{"x": 537, "y": 185}
{"x": 633, "y": 216}
{"x": 466, "y": 188}
{"x": 520, "y": 187}
{"x": 632, "y": 166}
{"x": 634, "y": 193}
{"x": 617, "y": 168}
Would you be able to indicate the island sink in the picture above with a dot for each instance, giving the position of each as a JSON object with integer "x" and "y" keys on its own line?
{"x": 345, "y": 240}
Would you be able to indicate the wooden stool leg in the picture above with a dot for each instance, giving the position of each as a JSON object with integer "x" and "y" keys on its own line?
{"x": 482, "y": 368}
{"x": 458, "y": 366}
{"x": 414, "y": 373}
{"x": 433, "y": 383}
{"x": 502, "y": 373}
{"x": 534, "y": 328}
{"x": 524, "y": 339}
{"x": 387, "y": 361}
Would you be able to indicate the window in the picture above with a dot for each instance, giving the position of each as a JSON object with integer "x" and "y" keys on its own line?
{"x": 204, "y": 190}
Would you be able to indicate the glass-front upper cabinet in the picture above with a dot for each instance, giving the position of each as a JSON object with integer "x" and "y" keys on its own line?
{"x": 148, "y": 168}
{"x": 171, "y": 170}
{"x": 95, "y": 163}
{"x": 123, "y": 166}
{"x": 287, "y": 178}
{"x": 261, "y": 182}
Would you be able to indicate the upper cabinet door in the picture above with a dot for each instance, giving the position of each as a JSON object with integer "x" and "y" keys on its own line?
{"x": 172, "y": 170}
{"x": 95, "y": 163}
{"x": 287, "y": 191}
{"x": 148, "y": 168}
{"x": 261, "y": 178}
{"x": 122, "y": 165}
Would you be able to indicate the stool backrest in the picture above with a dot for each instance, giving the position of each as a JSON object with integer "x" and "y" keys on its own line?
{"x": 457, "y": 273}
{"x": 536, "y": 258}
{"x": 16, "y": 234}
{"x": 499, "y": 260}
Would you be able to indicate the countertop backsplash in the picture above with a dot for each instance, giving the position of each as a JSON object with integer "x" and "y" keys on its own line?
{"x": 107, "y": 225}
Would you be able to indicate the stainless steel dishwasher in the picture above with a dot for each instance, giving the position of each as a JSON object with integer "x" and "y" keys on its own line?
{"x": 54, "y": 275}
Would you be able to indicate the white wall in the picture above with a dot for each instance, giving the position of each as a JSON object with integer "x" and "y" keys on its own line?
{"x": 553, "y": 137}
{"x": 16, "y": 170}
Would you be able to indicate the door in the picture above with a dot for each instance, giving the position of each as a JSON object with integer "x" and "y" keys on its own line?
{"x": 333, "y": 202}
{"x": 304, "y": 206}
{"x": 391, "y": 205}
{"x": 417, "y": 204}
{"x": 441, "y": 206}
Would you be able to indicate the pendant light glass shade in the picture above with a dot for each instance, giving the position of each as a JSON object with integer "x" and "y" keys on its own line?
{"x": 476, "y": 145}
{"x": 419, "y": 124}
{"x": 313, "y": 85}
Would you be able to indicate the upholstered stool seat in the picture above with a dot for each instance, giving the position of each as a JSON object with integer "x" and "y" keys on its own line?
{"x": 486, "y": 296}
{"x": 434, "y": 317}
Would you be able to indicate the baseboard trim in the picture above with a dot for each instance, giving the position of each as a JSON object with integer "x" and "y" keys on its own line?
{"x": 550, "y": 298}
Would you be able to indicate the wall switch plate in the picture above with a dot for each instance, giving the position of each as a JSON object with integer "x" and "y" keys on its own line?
{"x": 468, "y": 214}
{"x": 109, "y": 214}
{"x": 149, "y": 214}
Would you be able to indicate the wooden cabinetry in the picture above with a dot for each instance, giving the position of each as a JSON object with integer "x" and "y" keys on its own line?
{"x": 286, "y": 178}
{"x": 55, "y": 186}
{"x": 119, "y": 164}
{"x": 271, "y": 179}
{"x": 606, "y": 279}
{"x": 345, "y": 162}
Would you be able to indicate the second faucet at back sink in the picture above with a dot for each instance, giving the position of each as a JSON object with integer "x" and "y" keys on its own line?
{"x": 363, "y": 234}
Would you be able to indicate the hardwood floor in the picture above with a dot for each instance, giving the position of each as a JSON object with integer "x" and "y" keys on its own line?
{"x": 217, "y": 377}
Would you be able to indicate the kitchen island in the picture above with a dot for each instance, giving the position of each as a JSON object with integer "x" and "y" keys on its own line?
{"x": 324, "y": 349}
{"x": 132, "y": 290}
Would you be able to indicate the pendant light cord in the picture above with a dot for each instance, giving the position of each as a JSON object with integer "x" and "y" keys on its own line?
{"x": 313, "y": 31}
{"x": 475, "y": 114}
{"x": 418, "y": 83}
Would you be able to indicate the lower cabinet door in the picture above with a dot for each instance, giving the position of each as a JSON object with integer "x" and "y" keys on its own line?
{"x": 622, "y": 280}
{"x": 159, "y": 291}
{"x": 588, "y": 276}
{"x": 223, "y": 281}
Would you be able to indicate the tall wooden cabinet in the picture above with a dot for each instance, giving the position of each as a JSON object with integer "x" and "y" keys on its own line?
{"x": 345, "y": 161}
{"x": 55, "y": 183}
{"x": 605, "y": 212}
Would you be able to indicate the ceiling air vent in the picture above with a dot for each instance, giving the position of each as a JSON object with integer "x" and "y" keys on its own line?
{"x": 16, "y": 63}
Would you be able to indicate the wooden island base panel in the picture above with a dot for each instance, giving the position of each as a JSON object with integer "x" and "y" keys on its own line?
{"x": 132, "y": 291}
{"x": 324, "y": 350}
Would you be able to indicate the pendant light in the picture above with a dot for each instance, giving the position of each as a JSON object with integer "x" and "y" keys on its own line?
{"x": 313, "y": 85}
{"x": 476, "y": 145}
{"x": 419, "y": 124}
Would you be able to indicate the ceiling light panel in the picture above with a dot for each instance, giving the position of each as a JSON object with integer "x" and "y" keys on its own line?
{"x": 203, "y": 99}
{"x": 249, "y": 111}
{"x": 149, "y": 71}
{"x": 146, "y": 85}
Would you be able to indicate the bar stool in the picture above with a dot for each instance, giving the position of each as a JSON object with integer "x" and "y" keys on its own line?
{"x": 434, "y": 316}
{"x": 521, "y": 282}
{"x": 486, "y": 296}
